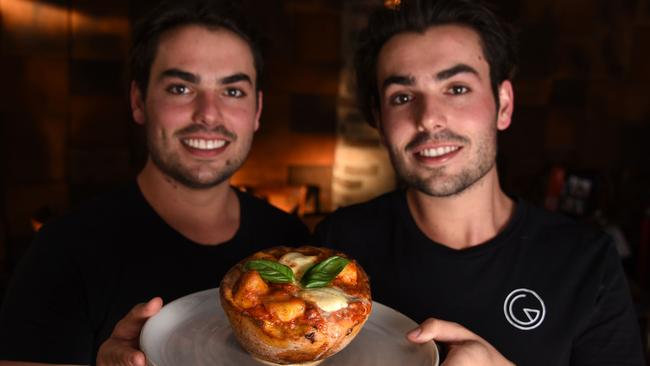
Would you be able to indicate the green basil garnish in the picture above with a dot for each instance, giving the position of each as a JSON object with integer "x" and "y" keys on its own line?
{"x": 324, "y": 272}
{"x": 270, "y": 271}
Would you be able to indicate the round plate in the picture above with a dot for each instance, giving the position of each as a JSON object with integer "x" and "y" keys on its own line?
{"x": 194, "y": 330}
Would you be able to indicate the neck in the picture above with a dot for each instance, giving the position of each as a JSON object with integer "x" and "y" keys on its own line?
{"x": 206, "y": 216}
{"x": 470, "y": 218}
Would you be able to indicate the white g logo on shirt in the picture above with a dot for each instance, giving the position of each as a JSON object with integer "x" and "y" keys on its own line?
{"x": 524, "y": 309}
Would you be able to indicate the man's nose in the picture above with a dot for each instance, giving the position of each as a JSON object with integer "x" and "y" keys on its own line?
{"x": 207, "y": 109}
{"x": 430, "y": 114}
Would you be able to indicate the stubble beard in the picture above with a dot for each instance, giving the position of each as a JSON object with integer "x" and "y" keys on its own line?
{"x": 436, "y": 182}
{"x": 200, "y": 175}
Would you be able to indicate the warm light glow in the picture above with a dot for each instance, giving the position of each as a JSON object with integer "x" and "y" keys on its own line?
{"x": 36, "y": 225}
{"x": 104, "y": 25}
{"x": 25, "y": 16}
{"x": 392, "y": 3}
{"x": 291, "y": 199}
{"x": 360, "y": 173}
{"x": 271, "y": 156}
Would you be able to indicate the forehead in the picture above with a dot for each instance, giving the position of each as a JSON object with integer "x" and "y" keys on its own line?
{"x": 203, "y": 50}
{"x": 438, "y": 48}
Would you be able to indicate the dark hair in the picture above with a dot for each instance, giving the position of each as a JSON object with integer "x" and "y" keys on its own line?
{"x": 497, "y": 39}
{"x": 175, "y": 13}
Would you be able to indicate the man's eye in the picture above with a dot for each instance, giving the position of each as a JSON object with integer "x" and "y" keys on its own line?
{"x": 400, "y": 99}
{"x": 235, "y": 93}
{"x": 178, "y": 89}
{"x": 458, "y": 90}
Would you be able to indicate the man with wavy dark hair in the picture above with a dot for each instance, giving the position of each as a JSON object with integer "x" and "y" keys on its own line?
{"x": 196, "y": 70}
{"x": 494, "y": 278}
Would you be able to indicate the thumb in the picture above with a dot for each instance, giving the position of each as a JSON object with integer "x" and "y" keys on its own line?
{"x": 440, "y": 330}
{"x": 130, "y": 326}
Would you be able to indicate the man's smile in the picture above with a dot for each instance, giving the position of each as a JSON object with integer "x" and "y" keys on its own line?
{"x": 204, "y": 144}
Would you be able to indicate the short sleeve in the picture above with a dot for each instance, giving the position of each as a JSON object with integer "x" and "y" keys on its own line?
{"x": 612, "y": 336}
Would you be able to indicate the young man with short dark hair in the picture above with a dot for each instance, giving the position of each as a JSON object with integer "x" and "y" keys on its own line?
{"x": 497, "y": 280}
{"x": 177, "y": 230}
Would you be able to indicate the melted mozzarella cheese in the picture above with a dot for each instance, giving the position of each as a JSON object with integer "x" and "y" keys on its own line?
{"x": 297, "y": 262}
{"x": 327, "y": 298}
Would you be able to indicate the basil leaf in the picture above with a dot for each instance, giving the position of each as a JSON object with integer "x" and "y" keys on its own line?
{"x": 324, "y": 272}
{"x": 270, "y": 271}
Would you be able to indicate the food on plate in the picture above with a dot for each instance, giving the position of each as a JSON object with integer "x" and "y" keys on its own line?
{"x": 296, "y": 305}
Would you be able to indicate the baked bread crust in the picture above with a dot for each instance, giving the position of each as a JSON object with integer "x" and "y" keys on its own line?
{"x": 281, "y": 323}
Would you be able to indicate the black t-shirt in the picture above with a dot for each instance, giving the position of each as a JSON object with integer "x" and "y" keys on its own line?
{"x": 86, "y": 270}
{"x": 544, "y": 291}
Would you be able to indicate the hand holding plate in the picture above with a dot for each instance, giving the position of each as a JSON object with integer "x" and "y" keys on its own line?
{"x": 121, "y": 349}
{"x": 465, "y": 347}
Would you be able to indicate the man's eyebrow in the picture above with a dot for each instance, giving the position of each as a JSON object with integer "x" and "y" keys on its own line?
{"x": 440, "y": 76}
{"x": 196, "y": 79}
{"x": 183, "y": 75}
{"x": 235, "y": 78}
{"x": 455, "y": 70}
{"x": 397, "y": 79}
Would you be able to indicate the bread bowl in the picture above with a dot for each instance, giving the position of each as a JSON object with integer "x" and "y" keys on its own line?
{"x": 295, "y": 306}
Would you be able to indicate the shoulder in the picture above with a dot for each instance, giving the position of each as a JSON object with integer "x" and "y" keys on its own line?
{"x": 363, "y": 223}
{"x": 556, "y": 225}
{"x": 107, "y": 212}
{"x": 564, "y": 235}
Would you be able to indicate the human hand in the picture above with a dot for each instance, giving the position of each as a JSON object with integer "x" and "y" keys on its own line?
{"x": 121, "y": 348}
{"x": 465, "y": 347}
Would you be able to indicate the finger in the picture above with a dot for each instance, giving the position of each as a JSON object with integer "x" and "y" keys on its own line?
{"x": 125, "y": 355}
{"x": 119, "y": 353}
{"x": 130, "y": 326}
{"x": 137, "y": 358}
{"x": 440, "y": 330}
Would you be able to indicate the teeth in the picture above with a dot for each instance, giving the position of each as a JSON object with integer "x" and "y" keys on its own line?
{"x": 432, "y": 153}
{"x": 202, "y": 144}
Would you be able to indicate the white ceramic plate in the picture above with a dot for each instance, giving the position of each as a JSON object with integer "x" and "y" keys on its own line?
{"x": 194, "y": 330}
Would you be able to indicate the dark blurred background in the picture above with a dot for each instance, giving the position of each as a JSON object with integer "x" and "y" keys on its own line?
{"x": 582, "y": 115}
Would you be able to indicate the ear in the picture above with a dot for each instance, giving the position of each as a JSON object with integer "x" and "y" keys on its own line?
{"x": 258, "y": 114}
{"x": 137, "y": 103}
{"x": 506, "y": 105}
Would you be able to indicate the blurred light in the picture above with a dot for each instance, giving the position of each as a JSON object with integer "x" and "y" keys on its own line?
{"x": 291, "y": 199}
{"x": 24, "y": 16}
{"x": 36, "y": 225}
{"x": 33, "y": 17}
{"x": 100, "y": 25}
{"x": 40, "y": 217}
{"x": 392, "y": 4}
